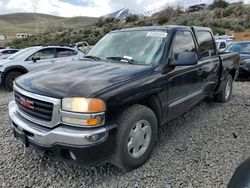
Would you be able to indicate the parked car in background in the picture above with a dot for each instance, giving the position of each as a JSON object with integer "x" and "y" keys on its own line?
{"x": 32, "y": 58}
{"x": 110, "y": 106}
{"x": 222, "y": 44}
{"x": 83, "y": 46}
{"x": 197, "y": 7}
{"x": 243, "y": 48}
{"x": 5, "y": 53}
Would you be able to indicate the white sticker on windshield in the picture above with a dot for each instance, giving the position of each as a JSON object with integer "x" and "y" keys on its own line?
{"x": 157, "y": 34}
{"x": 128, "y": 57}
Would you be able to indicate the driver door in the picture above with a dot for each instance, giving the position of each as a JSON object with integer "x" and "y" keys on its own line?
{"x": 41, "y": 58}
{"x": 184, "y": 82}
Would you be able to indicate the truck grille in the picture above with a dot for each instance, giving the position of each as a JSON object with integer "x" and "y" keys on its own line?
{"x": 35, "y": 108}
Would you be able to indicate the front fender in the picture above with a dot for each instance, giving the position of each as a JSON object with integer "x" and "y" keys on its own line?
{"x": 15, "y": 67}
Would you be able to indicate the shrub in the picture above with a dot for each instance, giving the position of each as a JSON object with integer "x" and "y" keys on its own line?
{"x": 217, "y": 30}
{"x": 162, "y": 19}
{"x": 226, "y": 24}
{"x": 132, "y": 18}
{"x": 218, "y": 13}
{"x": 228, "y": 11}
{"x": 110, "y": 20}
{"x": 99, "y": 22}
{"x": 238, "y": 28}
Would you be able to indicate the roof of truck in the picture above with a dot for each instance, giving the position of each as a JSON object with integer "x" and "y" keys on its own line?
{"x": 166, "y": 27}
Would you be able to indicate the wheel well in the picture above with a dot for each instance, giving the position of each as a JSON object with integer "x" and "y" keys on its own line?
{"x": 153, "y": 103}
{"x": 232, "y": 73}
{"x": 14, "y": 70}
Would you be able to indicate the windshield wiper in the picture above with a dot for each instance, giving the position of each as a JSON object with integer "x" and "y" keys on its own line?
{"x": 93, "y": 57}
{"x": 122, "y": 59}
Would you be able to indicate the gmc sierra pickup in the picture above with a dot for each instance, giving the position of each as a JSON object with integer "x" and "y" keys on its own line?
{"x": 109, "y": 106}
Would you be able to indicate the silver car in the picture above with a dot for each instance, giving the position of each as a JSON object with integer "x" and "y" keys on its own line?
{"x": 33, "y": 58}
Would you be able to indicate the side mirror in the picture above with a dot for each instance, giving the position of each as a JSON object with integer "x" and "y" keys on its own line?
{"x": 186, "y": 58}
{"x": 35, "y": 59}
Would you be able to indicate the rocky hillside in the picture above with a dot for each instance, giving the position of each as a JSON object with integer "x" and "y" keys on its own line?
{"x": 10, "y": 24}
{"x": 229, "y": 19}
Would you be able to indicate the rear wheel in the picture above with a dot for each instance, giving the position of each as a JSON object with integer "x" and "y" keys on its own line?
{"x": 135, "y": 138}
{"x": 225, "y": 94}
{"x": 10, "y": 78}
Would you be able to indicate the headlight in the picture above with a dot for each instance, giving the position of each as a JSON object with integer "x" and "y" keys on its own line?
{"x": 90, "y": 111}
{"x": 84, "y": 105}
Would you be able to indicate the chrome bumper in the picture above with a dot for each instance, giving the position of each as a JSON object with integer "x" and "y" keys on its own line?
{"x": 61, "y": 135}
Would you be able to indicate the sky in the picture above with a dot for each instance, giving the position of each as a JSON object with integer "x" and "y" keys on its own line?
{"x": 93, "y": 8}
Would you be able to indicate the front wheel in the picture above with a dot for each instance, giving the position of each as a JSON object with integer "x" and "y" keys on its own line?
{"x": 10, "y": 78}
{"x": 135, "y": 138}
{"x": 225, "y": 94}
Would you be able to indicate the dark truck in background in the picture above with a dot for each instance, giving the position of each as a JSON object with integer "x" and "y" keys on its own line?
{"x": 109, "y": 106}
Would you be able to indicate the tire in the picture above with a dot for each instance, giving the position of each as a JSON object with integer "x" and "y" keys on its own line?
{"x": 225, "y": 94}
{"x": 133, "y": 129}
{"x": 10, "y": 78}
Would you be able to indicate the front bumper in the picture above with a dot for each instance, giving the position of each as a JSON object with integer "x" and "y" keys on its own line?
{"x": 62, "y": 137}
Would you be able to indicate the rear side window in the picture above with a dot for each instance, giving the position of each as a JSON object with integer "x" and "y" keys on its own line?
{"x": 63, "y": 52}
{"x": 206, "y": 44}
{"x": 5, "y": 52}
{"x": 183, "y": 42}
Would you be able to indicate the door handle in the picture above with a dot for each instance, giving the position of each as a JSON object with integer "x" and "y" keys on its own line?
{"x": 52, "y": 61}
{"x": 200, "y": 71}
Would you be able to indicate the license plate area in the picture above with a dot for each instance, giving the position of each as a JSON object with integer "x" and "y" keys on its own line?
{"x": 21, "y": 136}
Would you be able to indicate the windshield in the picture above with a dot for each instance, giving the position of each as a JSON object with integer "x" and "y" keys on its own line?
{"x": 23, "y": 54}
{"x": 242, "y": 48}
{"x": 139, "y": 47}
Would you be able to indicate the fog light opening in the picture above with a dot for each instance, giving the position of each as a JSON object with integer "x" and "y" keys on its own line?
{"x": 96, "y": 137}
{"x": 72, "y": 155}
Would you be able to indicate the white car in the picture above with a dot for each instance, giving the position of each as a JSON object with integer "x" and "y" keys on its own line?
{"x": 5, "y": 53}
{"x": 222, "y": 44}
{"x": 33, "y": 58}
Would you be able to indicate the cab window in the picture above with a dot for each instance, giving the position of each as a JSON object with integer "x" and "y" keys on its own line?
{"x": 183, "y": 42}
{"x": 206, "y": 44}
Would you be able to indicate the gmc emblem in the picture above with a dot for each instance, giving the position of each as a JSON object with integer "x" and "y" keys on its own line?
{"x": 26, "y": 103}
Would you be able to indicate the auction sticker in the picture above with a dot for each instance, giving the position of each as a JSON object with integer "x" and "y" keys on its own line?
{"x": 157, "y": 34}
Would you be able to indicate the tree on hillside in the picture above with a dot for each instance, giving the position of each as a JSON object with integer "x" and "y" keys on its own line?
{"x": 219, "y": 4}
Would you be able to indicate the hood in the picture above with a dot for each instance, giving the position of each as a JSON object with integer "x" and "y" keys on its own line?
{"x": 244, "y": 57}
{"x": 4, "y": 61}
{"x": 80, "y": 79}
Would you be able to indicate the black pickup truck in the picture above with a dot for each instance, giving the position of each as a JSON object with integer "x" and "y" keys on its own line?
{"x": 109, "y": 106}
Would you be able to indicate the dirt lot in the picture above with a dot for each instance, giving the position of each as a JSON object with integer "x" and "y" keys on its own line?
{"x": 200, "y": 149}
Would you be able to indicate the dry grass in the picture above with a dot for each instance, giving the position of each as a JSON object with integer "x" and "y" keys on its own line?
{"x": 243, "y": 36}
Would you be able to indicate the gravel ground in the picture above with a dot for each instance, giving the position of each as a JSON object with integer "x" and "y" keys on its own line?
{"x": 200, "y": 149}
